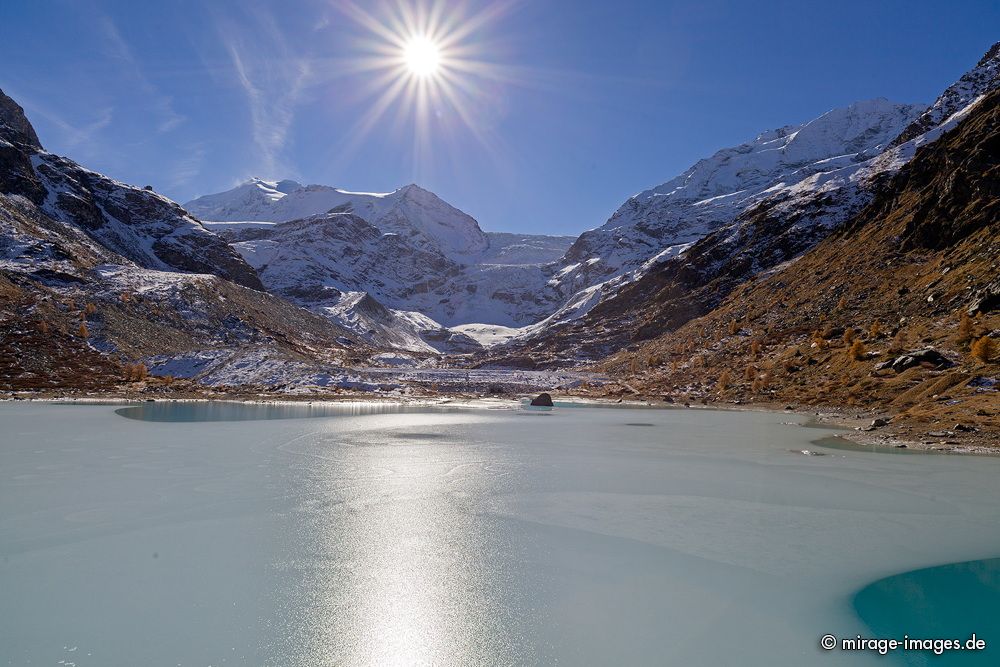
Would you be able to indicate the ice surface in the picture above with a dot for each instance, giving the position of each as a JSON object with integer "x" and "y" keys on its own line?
{"x": 579, "y": 536}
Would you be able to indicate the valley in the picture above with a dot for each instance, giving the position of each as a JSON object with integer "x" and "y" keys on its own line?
{"x": 795, "y": 268}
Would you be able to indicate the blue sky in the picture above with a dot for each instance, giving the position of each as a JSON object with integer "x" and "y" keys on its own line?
{"x": 566, "y": 108}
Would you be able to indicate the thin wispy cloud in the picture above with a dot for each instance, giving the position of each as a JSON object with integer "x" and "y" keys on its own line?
{"x": 188, "y": 167}
{"x": 273, "y": 78}
{"x": 84, "y": 134}
{"x": 73, "y": 135}
{"x": 162, "y": 104}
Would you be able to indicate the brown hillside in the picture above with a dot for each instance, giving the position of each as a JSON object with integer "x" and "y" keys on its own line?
{"x": 918, "y": 268}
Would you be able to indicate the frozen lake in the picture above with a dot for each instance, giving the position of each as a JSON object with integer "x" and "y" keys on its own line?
{"x": 199, "y": 535}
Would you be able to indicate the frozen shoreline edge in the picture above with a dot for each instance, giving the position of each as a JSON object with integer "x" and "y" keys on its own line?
{"x": 830, "y": 418}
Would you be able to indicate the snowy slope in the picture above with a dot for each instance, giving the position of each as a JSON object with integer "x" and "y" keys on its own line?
{"x": 715, "y": 190}
{"x": 661, "y": 223}
{"x": 389, "y": 328}
{"x": 410, "y": 211}
{"x": 801, "y": 213}
{"x": 144, "y": 277}
{"x": 508, "y": 248}
{"x": 973, "y": 84}
{"x": 322, "y": 262}
{"x": 139, "y": 312}
{"x": 345, "y": 269}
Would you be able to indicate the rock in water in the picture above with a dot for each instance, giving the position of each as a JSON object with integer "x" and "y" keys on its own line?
{"x": 543, "y": 400}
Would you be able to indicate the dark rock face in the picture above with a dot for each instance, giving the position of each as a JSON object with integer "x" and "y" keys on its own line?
{"x": 137, "y": 224}
{"x": 986, "y": 299}
{"x": 17, "y": 140}
{"x": 543, "y": 400}
{"x": 16, "y": 173}
{"x": 12, "y": 115}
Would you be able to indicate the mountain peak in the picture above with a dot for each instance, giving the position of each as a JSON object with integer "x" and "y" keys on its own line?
{"x": 993, "y": 53}
{"x": 412, "y": 188}
{"x": 972, "y": 85}
{"x": 12, "y": 115}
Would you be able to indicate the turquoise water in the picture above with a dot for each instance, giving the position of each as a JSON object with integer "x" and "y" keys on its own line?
{"x": 836, "y": 442}
{"x": 951, "y": 601}
{"x": 363, "y": 534}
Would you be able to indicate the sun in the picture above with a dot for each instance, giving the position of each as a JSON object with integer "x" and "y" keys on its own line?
{"x": 432, "y": 64}
{"x": 422, "y": 56}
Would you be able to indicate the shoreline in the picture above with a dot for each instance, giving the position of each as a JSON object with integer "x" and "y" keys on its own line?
{"x": 855, "y": 428}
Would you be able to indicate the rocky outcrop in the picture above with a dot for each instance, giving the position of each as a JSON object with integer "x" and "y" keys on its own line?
{"x": 54, "y": 276}
{"x": 94, "y": 272}
{"x": 929, "y": 356}
{"x": 18, "y": 127}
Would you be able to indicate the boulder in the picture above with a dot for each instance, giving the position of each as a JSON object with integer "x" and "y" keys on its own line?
{"x": 543, "y": 400}
{"x": 909, "y": 360}
{"x": 878, "y": 422}
{"x": 985, "y": 300}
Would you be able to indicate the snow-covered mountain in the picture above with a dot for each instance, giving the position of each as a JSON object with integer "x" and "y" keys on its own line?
{"x": 94, "y": 272}
{"x": 346, "y": 269}
{"x": 974, "y": 84}
{"x": 408, "y": 250}
{"x": 760, "y": 230}
{"x": 663, "y": 222}
{"x": 508, "y": 248}
{"x": 405, "y": 269}
{"x": 324, "y": 262}
{"x": 138, "y": 224}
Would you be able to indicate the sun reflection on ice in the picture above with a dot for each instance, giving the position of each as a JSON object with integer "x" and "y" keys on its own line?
{"x": 404, "y": 573}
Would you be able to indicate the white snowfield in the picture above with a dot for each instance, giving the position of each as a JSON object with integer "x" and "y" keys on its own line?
{"x": 426, "y": 258}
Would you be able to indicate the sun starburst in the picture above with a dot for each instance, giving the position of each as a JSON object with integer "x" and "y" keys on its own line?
{"x": 426, "y": 62}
